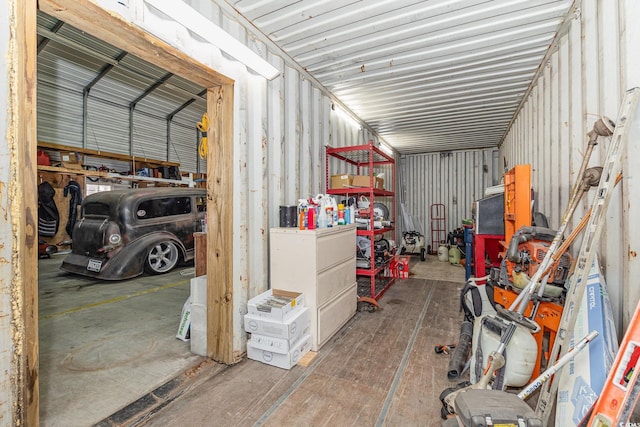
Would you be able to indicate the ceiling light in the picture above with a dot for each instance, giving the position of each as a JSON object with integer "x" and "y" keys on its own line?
{"x": 386, "y": 149}
{"x": 195, "y": 22}
{"x": 346, "y": 117}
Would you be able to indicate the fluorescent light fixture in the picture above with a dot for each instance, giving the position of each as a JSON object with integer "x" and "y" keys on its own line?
{"x": 347, "y": 117}
{"x": 195, "y": 22}
{"x": 386, "y": 149}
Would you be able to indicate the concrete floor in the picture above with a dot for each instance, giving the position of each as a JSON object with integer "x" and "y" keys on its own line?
{"x": 105, "y": 344}
{"x": 108, "y": 349}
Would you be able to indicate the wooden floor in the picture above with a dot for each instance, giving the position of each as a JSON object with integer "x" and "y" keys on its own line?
{"x": 380, "y": 369}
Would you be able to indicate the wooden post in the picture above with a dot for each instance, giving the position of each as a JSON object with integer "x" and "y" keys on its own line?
{"x": 19, "y": 204}
{"x": 220, "y": 225}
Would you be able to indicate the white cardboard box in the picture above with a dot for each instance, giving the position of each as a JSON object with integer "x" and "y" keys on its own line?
{"x": 276, "y": 345}
{"x": 285, "y": 361}
{"x": 581, "y": 380}
{"x": 289, "y": 330}
{"x": 275, "y": 304}
{"x": 198, "y": 331}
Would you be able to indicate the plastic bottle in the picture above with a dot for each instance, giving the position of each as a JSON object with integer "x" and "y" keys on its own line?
{"x": 301, "y": 219}
{"x": 347, "y": 216}
{"x": 334, "y": 210}
{"x": 322, "y": 219}
{"x": 329, "y": 216}
{"x": 341, "y": 220}
{"x": 311, "y": 218}
{"x": 352, "y": 214}
{"x": 443, "y": 253}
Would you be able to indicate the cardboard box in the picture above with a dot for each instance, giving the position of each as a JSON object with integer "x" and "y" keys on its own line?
{"x": 275, "y": 345}
{"x": 378, "y": 183}
{"x": 278, "y": 345}
{"x": 276, "y": 304}
{"x": 365, "y": 181}
{"x": 361, "y": 181}
{"x": 198, "y": 329}
{"x": 198, "y": 332}
{"x": 70, "y": 160}
{"x": 199, "y": 290}
{"x": 289, "y": 330}
{"x": 285, "y": 361}
{"x": 581, "y": 380}
{"x": 341, "y": 181}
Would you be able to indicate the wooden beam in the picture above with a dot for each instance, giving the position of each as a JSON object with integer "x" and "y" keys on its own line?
{"x": 104, "y": 154}
{"x": 220, "y": 225}
{"x": 23, "y": 206}
{"x": 112, "y": 28}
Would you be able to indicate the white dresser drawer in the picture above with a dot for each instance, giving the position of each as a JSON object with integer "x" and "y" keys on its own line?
{"x": 335, "y": 280}
{"x": 334, "y": 249}
{"x": 333, "y": 315}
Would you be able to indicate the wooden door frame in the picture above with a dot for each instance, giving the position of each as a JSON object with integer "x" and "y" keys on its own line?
{"x": 94, "y": 20}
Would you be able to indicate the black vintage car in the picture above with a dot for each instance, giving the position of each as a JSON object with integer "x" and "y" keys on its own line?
{"x": 122, "y": 233}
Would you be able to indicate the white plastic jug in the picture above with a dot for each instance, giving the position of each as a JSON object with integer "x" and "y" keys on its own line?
{"x": 443, "y": 253}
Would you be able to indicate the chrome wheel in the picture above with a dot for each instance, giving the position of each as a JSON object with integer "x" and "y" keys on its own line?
{"x": 162, "y": 257}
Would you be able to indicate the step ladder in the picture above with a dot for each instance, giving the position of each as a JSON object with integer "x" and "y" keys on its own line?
{"x": 611, "y": 169}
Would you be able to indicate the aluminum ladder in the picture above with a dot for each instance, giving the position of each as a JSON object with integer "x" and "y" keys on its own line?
{"x": 611, "y": 169}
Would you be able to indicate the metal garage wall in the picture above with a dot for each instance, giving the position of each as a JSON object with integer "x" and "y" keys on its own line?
{"x": 454, "y": 179}
{"x": 592, "y": 63}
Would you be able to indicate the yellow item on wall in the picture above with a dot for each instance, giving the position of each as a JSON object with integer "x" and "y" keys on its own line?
{"x": 202, "y": 127}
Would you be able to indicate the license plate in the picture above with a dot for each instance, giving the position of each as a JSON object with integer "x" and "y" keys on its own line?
{"x": 94, "y": 265}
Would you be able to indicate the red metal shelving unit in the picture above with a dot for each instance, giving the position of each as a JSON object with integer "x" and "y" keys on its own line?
{"x": 366, "y": 158}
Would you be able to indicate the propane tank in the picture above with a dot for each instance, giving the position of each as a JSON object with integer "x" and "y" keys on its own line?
{"x": 443, "y": 253}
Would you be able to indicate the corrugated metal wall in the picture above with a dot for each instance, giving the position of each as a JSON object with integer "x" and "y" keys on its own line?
{"x": 282, "y": 128}
{"x": 64, "y": 73}
{"x": 454, "y": 179}
{"x": 592, "y": 65}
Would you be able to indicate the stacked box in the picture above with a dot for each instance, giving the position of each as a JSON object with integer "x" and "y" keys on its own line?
{"x": 279, "y": 326}
{"x": 275, "y": 336}
{"x": 341, "y": 181}
{"x": 286, "y": 360}
{"x": 365, "y": 181}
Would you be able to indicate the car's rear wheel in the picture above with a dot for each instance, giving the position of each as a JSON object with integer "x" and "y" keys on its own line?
{"x": 162, "y": 257}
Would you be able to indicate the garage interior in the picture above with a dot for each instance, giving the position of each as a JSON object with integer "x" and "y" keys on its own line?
{"x": 450, "y": 98}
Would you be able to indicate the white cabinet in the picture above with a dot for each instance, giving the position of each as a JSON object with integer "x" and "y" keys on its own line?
{"x": 320, "y": 263}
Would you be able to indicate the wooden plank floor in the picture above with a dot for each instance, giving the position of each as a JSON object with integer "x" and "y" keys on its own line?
{"x": 380, "y": 369}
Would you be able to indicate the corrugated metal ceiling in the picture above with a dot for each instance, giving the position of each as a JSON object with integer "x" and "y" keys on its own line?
{"x": 427, "y": 76}
{"x": 70, "y": 58}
